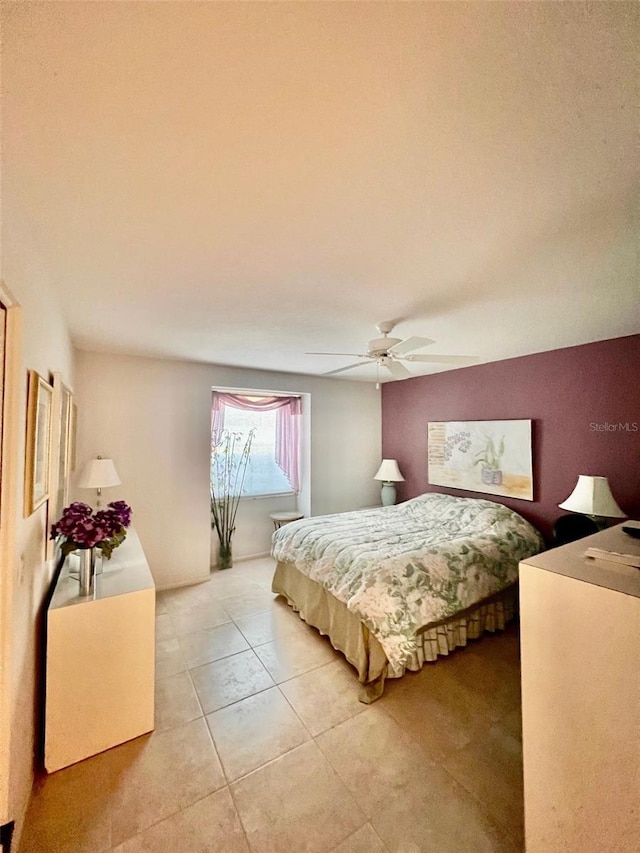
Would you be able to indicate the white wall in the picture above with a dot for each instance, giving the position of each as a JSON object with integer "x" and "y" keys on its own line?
{"x": 46, "y": 348}
{"x": 152, "y": 416}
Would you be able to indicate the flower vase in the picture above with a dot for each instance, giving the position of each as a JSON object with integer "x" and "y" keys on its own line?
{"x": 225, "y": 556}
{"x": 87, "y": 571}
{"x": 97, "y": 561}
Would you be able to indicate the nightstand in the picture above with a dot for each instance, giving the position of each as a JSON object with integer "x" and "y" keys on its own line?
{"x": 280, "y": 518}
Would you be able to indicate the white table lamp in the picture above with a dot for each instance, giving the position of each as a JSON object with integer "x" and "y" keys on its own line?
{"x": 592, "y": 496}
{"x": 389, "y": 473}
{"x": 98, "y": 474}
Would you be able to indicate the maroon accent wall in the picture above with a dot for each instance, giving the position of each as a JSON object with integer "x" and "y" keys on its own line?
{"x": 567, "y": 394}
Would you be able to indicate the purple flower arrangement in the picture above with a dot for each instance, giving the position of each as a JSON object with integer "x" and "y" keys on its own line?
{"x": 81, "y": 527}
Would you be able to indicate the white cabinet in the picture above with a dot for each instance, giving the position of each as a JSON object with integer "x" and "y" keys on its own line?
{"x": 100, "y": 658}
{"x": 580, "y": 648}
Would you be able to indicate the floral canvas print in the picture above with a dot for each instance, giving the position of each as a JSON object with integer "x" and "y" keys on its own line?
{"x": 493, "y": 457}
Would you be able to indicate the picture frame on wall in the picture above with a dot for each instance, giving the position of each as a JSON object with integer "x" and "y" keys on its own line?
{"x": 63, "y": 411}
{"x": 61, "y": 449}
{"x": 38, "y": 442}
{"x": 490, "y": 457}
{"x": 73, "y": 432}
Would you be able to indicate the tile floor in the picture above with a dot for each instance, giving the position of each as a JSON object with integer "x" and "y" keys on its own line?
{"x": 261, "y": 745}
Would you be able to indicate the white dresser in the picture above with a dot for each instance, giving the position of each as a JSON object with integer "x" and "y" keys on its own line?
{"x": 100, "y": 658}
{"x": 580, "y": 637}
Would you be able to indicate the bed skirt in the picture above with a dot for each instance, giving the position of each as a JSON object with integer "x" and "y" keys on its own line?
{"x": 348, "y": 635}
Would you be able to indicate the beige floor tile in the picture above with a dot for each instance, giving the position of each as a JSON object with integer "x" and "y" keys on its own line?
{"x": 280, "y": 621}
{"x": 164, "y": 628}
{"x": 373, "y": 756}
{"x": 490, "y": 768}
{"x": 184, "y": 597}
{"x": 435, "y": 814}
{"x": 261, "y": 569}
{"x": 197, "y": 617}
{"x": 69, "y": 812}
{"x": 511, "y": 722}
{"x": 501, "y": 646}
{"x": 444, "y": 682}
{"x": 412, "y": 803}
{"x": 428, "y": 719}
{"x": 247, "y": 603}
{"x": 488, "y": 679}
{"x": 161, "y": 603}
{"x": 211, "y": 825}
{"x": 240, "y": 579}
{"x": 443, "y": 819}
{"x": 176, "y": 701}
{"x": 228, "y": 680}
{"x": 264, "y": 578}
{"x": 325, "y": 696}
{"x": 296, "y": 803}
{"x": 286, "y": 658}
{"x": 365, "y": 840}
{"x": 169, "y": 658}
{"x": 156, "y": 776}
{"x": 212, "y": 644}
{"x": 254, "y": 731}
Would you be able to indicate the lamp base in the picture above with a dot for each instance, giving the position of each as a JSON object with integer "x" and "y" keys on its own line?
{"x": 388, "y": 494}
{"x": 602, "y": 521}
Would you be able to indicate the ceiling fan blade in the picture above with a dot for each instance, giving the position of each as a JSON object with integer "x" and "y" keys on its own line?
{"x": 353, "y": 354}
{"x": 443, "y": 359}
{"x": 348, "y": 367}
{"x": 397, "y": 370}
{"x": 409, "y": 344}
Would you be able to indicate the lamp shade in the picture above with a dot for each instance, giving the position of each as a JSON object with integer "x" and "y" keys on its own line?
{"x": 389, "y": 472}
{"x": 592, "y": 496}
{"x": 98, "y": 474}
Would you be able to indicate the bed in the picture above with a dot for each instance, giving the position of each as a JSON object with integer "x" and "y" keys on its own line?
{"x": 394, "y": 587}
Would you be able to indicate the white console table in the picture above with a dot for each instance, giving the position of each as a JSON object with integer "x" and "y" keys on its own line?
{"x": 100, "y": 658}
{"x": 580, "y": 638}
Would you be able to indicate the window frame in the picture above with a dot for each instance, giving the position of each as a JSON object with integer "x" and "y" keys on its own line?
{"x": 259, "y": 393}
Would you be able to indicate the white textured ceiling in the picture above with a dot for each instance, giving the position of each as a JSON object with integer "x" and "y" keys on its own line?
{"x": 240, "y": 183}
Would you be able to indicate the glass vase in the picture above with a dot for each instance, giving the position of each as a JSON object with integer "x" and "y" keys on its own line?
{"x": 225, "y": 556}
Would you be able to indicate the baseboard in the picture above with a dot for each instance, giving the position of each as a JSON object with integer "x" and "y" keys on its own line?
{"x": 251, "y": 557}
{"x": 180, "y": 584}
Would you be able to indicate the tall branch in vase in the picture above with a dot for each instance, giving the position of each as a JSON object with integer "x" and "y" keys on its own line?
{"x": 229, "y": 460}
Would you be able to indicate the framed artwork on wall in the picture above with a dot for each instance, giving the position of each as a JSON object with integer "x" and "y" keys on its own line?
{"x": 38, "y": 443}
{"x": 60, "y": 456}
{"x": 73, "y": 432}
{"x": 63, "y": 402}
{"x": 493, "y": 457}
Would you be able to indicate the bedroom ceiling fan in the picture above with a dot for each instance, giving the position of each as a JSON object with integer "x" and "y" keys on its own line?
{"x": 390, "y": 353}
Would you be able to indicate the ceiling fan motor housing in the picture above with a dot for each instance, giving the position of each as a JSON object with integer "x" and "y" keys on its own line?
{"x": 380, "y": 346}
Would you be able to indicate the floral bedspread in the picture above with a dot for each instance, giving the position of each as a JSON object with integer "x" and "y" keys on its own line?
{"x": 401, "y": 568}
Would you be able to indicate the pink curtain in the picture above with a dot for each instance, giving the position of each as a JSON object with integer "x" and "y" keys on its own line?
{"x": 287, "y": 426}
{"x": 217, "y": 419}
{"x": 288, "y": 440}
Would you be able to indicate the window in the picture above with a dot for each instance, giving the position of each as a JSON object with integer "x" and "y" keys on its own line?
{"x": 274, "y": 420}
